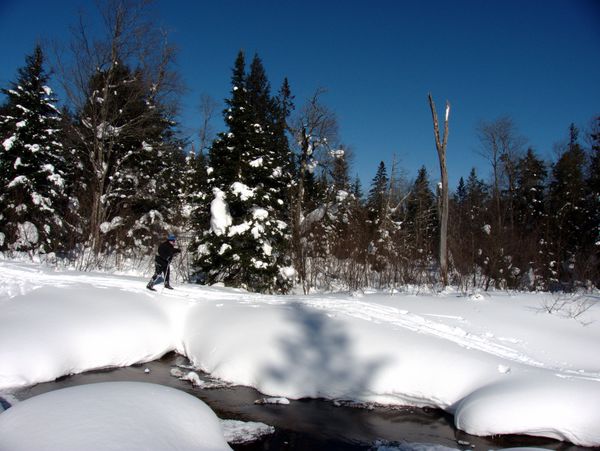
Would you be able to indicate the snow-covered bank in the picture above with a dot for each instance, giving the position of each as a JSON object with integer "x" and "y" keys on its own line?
{"x": 499, "y": 364}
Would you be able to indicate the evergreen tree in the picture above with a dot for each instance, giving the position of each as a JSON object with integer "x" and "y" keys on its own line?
{"x": 461, "y": 193}
{"x": 381, "y": 228}
{"x": 421, "y": 218}
{"x": 357, "y": 188}
{"x": 568, "y": 204}
{"x": 32, "y": 163}
{"x": 530, "y": 215}
{"x": 530, "y": 191}
{"x": 377, "y": 200}
{"x": 592, "y": 242}
{"x": 341, "y": 207}
{"x": 197, "y": 198}
{"x": 249, "y": 176}
{"x": 468, "y": 227}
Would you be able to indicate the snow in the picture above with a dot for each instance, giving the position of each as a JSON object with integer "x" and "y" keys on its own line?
{"x": 259, "y": 213}
{"x": 9, "y": 142}
{"x": 339, "y": 153}
{"x": 220, "y": 218}
{"x": 111, "y": 416}
{"x": 282, "y": 401}
{"x": 243, "y": 432}
{"x": 18, "y": 180}
{"x": 243, "y": 191}
{"x": 287, "y": 272}
{"x": 115, "y": 223}
{"x": 239, "y": 229}
{"x": 258, "y": 162}
{"x": 500, "y": 364}
{"x": 27, "y": 234}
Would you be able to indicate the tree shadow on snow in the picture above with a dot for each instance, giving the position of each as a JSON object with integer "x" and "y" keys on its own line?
{"x": 319, "y": 357}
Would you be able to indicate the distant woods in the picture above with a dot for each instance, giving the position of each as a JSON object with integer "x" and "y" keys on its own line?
{"x": 270, "y": 202}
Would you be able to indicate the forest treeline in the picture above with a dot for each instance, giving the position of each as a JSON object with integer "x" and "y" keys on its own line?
{"x": 269, "y": 202}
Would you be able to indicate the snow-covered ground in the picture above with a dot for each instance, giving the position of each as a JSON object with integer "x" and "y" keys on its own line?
{"x": 500, "y": 363}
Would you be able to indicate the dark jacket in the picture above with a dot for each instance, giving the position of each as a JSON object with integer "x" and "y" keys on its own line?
{"x": 165, "y": 253}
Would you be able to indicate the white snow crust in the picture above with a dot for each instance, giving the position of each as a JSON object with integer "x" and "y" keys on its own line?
{"x": 500, "y": 364}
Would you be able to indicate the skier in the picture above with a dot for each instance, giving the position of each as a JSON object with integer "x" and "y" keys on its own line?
{"x": 163, "y": 258}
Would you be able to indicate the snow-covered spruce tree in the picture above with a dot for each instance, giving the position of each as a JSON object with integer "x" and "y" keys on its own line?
{"x": 196, "y": 207}
{"x": 32, "y": 163}
{"x": 380, "y": 224}
{"x": 421, "y": 223}
{"x": 249, "y": 177}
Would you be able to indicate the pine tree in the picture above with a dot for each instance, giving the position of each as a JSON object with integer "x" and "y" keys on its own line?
{"x": 249, "y": 176}
{"x": 421, "y": 218}
{"x": 530, "y": 191}
{"x": 32, "y": 163}
{"x": 377, "y": 200}
{"x": 568, "y": 204}
{"x": 461, "y": 192}
{"x": 468, "y": 227}
{"x": 380, "y": 230}
{"x": 592, "y": 242}
{"x": 530, "y": 215}
{"x": 341, "y": 205}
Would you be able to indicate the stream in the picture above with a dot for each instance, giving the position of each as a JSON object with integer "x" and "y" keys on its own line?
{"x": 307, "y": 424}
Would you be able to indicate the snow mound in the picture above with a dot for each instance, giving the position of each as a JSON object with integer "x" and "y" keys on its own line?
{"x": 532, "y": 406}
{"x": 111, "y": 416}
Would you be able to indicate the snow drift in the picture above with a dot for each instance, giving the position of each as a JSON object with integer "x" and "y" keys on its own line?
{"x": 111, "y": 416}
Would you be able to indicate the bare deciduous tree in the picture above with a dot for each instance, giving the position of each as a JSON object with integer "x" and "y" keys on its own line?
{"x": 126, "y": 64}
{"x": 208, "y": 107}
{"x": 502, "y": 146}
{"x": 314, "y": 128}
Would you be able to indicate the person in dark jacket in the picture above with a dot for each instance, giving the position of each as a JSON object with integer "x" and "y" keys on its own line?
{"x": 163, "y": 258}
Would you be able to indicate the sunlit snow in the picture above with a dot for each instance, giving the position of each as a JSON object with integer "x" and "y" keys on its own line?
{"x": 500, "y": 363}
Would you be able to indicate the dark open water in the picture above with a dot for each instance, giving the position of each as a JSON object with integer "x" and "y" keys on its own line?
{"x": 312, "y": 424}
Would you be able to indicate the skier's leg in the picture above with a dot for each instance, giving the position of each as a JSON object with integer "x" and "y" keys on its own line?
{"x": 168, "y": 278}
{"x": 158, "y": 270}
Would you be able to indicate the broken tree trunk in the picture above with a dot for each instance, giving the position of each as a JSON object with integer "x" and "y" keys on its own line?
{"x": 441, "y": 150}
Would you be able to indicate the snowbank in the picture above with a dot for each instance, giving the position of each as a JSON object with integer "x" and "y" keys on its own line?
{"x": 111, "y": 416}
{"x": 68, "y": 329}
{"x": 499, "y": 364}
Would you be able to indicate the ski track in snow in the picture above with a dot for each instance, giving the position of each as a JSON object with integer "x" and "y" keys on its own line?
{"x": 392, "y": 316}
{"x": 13, "y": 284}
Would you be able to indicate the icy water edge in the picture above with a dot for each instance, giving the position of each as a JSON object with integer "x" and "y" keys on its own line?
{"x": 308, "y": 424}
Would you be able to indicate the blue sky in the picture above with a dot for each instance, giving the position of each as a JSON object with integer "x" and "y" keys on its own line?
{"x": 536, "y": 61}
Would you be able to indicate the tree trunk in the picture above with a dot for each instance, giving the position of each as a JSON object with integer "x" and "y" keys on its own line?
{"x": 441, "y": 149}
